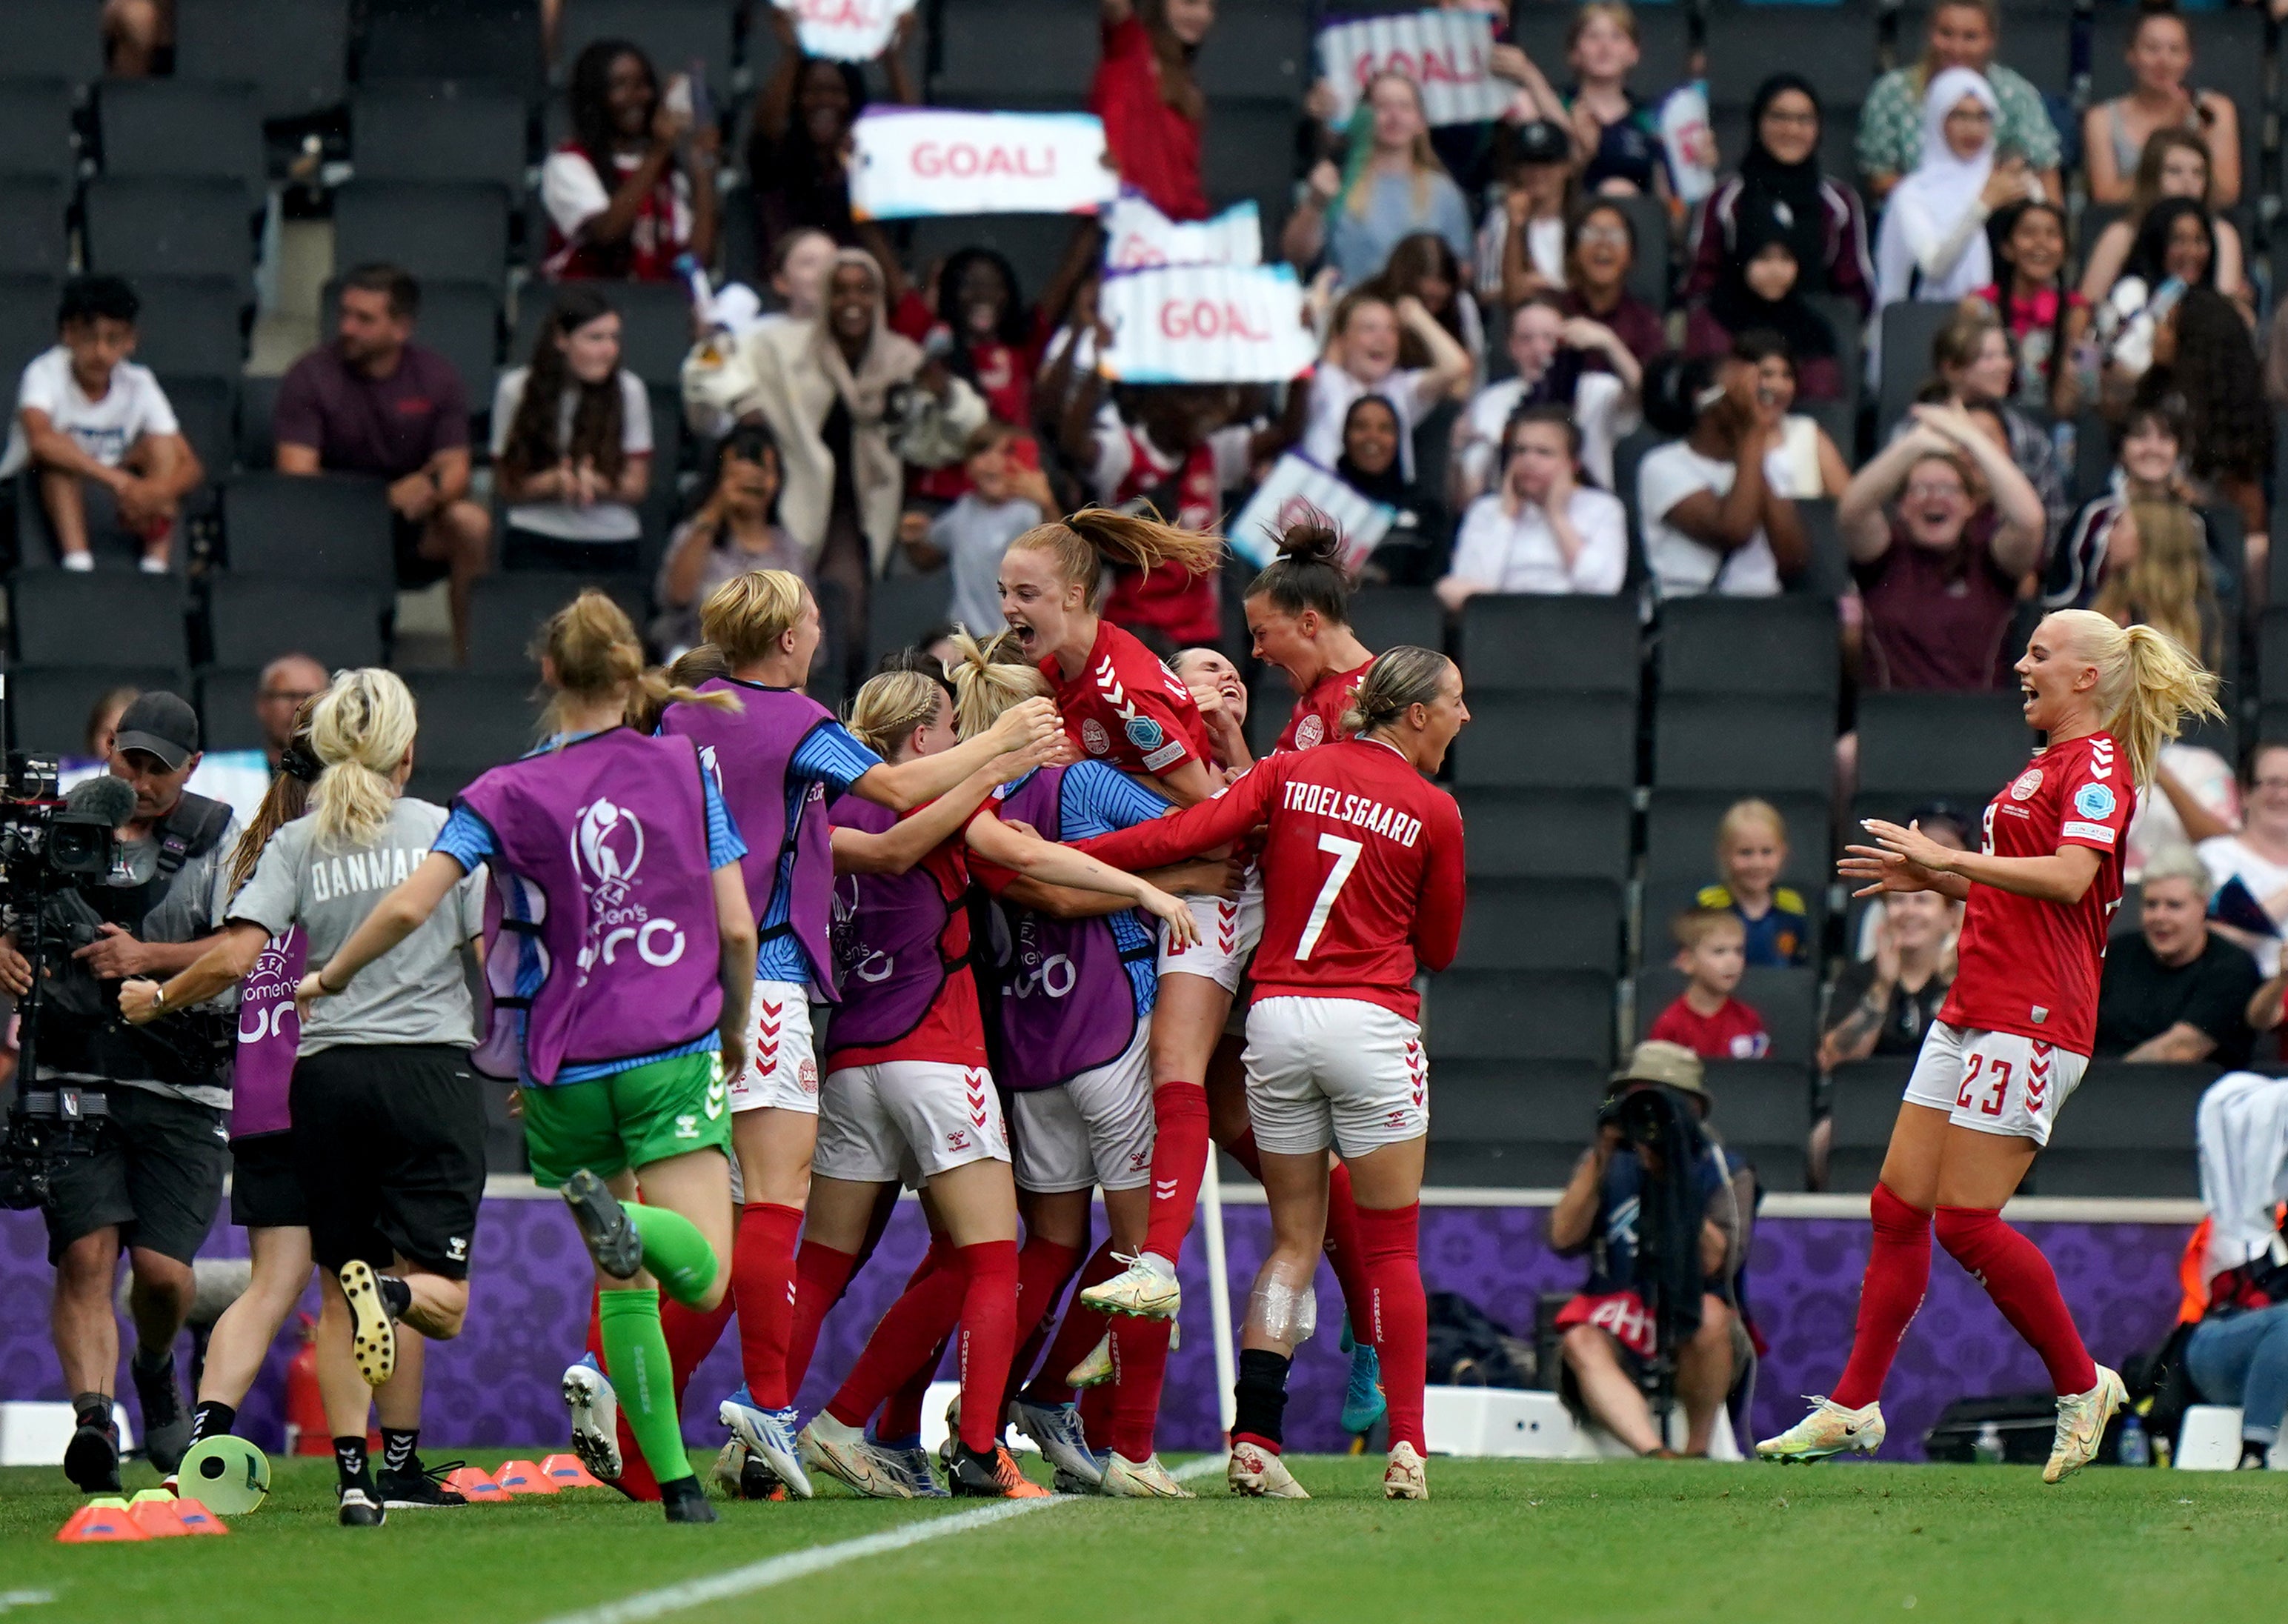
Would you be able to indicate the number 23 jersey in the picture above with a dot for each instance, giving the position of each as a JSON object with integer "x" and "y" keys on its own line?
{"x": 2030, "y": 967}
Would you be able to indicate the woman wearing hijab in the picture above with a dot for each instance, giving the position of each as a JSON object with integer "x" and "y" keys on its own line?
{"x": 1412, "y": 551}
{"x": 1761, "y": 290}
{"x": 1932, "y": 245}
{"x": 1779, "y": 185}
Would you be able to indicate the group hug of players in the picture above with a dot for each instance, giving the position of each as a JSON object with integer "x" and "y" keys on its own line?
{"x": 692, "y": 861}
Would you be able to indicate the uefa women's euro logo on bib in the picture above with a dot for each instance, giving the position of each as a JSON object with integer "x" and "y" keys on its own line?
{"x": 608, "y": 850}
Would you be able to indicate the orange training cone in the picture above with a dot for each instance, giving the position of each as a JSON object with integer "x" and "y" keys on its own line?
{"x": 95, "y": 1523}
{"x": 523, "y": 1478}
{"x": 195, "y": 1519}
{"x": 473, "y": 1485}
{"x": 565, "y": 1472}
{"x": 157, "y": 1521}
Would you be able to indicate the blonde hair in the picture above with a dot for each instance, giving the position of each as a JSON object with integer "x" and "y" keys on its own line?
{"x": 1084, "y": 543}
{"x": 1741, "y": 815}
{"x": 592, "y": 647}
{"x": 2168, "y": 585}
{"x": 1400, "y": 677}
{"x": 989, "y": 677}
{"x": 747, "y": 616}
{"x": 891, "y": 706}
{"x": 1696, "y": 925}
{"x": 360, "y": 729}
{"x": 2146, "y": 683}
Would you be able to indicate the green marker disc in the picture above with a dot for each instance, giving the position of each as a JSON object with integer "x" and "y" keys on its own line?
{"x": 229, "y": 1475}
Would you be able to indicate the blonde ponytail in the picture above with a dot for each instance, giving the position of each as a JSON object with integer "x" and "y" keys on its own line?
{"x": 592, "y": 647}
{"x": 360, "y": 729}
{"x": 989, "y": 677}
{"x": 889, "y": 707}
{"x": 1400, "y": 679}
{"x": 2147, "y": 685}
{"x": 1084, "y": 543}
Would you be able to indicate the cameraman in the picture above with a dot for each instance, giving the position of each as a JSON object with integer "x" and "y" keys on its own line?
{"x": 151, "y": 1174}
{"x": 1653, "y": 1157}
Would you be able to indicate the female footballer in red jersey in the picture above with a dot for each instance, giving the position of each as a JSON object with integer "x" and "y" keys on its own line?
{"x": 2013, "y": 1037}
{"x": 1298, "y": 613}
{"x": 1362, "y": 877}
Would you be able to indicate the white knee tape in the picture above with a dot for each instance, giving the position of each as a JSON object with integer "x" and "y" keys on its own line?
{"x": 1282, "y": 1313}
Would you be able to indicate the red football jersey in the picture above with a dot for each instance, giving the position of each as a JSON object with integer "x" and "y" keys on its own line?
{"x": 1362, "y": 869}
{"x": 953, "y": 1032}
{"x": 2032, "y": 968}
{"x": 1318, "y": 715}
{"x": 1125, "y": 708}
{"x": 1734, "y": 1032}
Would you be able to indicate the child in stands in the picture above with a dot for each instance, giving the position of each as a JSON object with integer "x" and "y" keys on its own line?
{"x": 1752, "y": 849}
{"x": 1705, "y": 1018}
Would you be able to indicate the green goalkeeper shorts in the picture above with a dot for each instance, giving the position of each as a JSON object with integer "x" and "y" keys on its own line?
{"x": 630, "y": 1118}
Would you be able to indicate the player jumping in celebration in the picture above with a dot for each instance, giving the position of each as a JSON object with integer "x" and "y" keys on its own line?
{"x": 1363, "y": 880}
{"x": 2014, "y": 1038}
{"x": 620, "y": 956}
{"x": 777, "y": 760}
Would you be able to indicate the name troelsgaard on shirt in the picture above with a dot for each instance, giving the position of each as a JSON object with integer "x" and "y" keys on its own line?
{"x": 1322, "y": 800}
{"x": 375, "y": 870}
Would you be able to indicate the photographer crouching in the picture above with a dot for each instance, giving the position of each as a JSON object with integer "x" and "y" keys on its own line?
{"x": 1663, "y": 1210}
{"x": 117, "y": 1132}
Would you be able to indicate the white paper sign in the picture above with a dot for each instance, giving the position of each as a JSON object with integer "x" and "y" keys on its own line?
{"x": 1691, "y": 142}
{"x": 845, "y": 30}
{"x": 1205, "y": 324}
{"x": 1137, "y": 236}
{"x": 1295, "y": 489}
{"x": 925, "y": 161}
{"x": 1447, "y": 54}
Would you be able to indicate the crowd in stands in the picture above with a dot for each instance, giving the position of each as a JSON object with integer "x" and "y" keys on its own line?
{"x": 2007, "y": 345}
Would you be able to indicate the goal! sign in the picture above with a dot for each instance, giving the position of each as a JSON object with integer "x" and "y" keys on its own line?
{"x": 1205, "y": 324}
{"x": 845, "y": 30}
{"x": 913, "y": 161}
{"x": 1447, "y": 54}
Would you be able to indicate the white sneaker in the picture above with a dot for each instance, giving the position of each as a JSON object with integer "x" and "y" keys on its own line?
{"x": 2081, "y": 1424}
{"x": 1145, "y": 1288}
{"x": 595, "y": 1411}
{"x": 78, "y": 562}
{"x": 1404, "y": 1478}
{"x": 841, "y": 1453}
{"x": 1257, "y": 1473}
{"x": 1829, "y": 1429}
{"x": 1095, "y": 1367}
{"x": 1145, "y": 1479}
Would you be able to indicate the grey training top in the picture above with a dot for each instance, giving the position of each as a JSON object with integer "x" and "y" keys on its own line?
{"x": 413, "y": 994}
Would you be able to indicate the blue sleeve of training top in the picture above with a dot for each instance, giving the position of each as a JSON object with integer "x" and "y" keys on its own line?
{"x": 831, "y": 754}
{"x": 1099, "y": 799}
{"x": 724, "y": 846}
{"x": 466, "y": 838}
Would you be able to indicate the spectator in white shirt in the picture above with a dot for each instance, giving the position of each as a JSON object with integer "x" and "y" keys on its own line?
{"x": 572, "y": 442}
{"x": 90, "y": 419}
{"x": 1362, "y": 359}
{"x": 1713, "y": 520}
{"x": 1541, "y": 530}
{"x": 1548, "y": 349}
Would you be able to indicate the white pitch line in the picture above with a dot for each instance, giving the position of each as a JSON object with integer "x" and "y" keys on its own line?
{"x": 801, "y": 1564}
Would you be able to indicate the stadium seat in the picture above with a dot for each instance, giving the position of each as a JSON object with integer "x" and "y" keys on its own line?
{"x": 1524, "y": 644}
{"x": 58, "y": 39}
{"x": 440, "y": 232}
{"x": 1754, "y": 744}
{"x": 1546, "y": 834}
{"x": 115, "y": 547}
{"x": 257, "y": 402}
{"x": 49, "y": 706}
{"x": 294, "y": 52}
{"x": 1908, "y": 328}
{"x": 192, "y": 325}
{"x": 1793, "y": 640}
{"x": 62, "y": 619}
{"x": 2128, "y": 1130}
{"x": 1477, "y": 1016}
{"x": 32, "y": 238}
{"x": 28, "y": 321}
{"x": 655, "y": 326}
{"x": 472, "y": 720}
{"x": 461, "y": 321}
{"x": 672, "y": 33}
{"x": 1250, "y": 157}
{"x": 1536, "y": 741}
{"x": 226, "y": 702}
{"x": 1512, "y": 1127}
{"x": 1680, "y": 853}
{"x": 978, "y": 68}
{"x": 1762, "y": 1110}
{"x": 251, "y": 621}
{"x": 412, "y": 133}
{"x": 1257, "y": 51}
{"x": 1828, "y": 574}
{"x": 184, "y": 226}
{"x": 331, "y": 528}
{"x": 1787, "y": 998}
{"x": 1864, "y": 1103}
{"x": 1391, "y": 617}
{"x": 900, "y": 608}
{"x": 505, "y": 611}
{"x": 167, "y": 128}
{"x": 35, "y": 128}
{"x": 1920, "y": 747}
{"x": 491, "y": 43}
{"x": 206, "y": 408}
{"x": 1541, "y": 925}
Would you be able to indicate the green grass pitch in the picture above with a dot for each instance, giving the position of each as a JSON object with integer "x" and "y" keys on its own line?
{"x": 1501, "y": 1541}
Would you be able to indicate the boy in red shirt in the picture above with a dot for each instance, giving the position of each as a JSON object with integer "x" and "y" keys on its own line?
{"x": 1712, "y": 951}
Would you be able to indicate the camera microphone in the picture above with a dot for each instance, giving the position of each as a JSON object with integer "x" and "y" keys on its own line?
{"x": 105, "y": 797}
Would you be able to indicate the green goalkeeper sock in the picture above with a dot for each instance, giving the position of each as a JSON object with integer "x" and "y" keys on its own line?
{"x": 636, "y": 1359}
{"x": 676, "y": 1253}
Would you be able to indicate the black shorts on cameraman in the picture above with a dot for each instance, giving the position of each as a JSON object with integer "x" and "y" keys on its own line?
{"x": 155, "y": 1171}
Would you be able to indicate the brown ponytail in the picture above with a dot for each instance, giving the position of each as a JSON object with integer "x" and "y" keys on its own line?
{"x": 287, "y": 798}
{"x": 1084, "y": 542}
{"x": 1308, "y": 573}
{"x": 594, "y": 647}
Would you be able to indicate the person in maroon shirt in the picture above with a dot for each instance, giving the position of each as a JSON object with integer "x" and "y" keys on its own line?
{"x": 1601, "y": 250}
{"x": 1940, "y": 529}
{"x": 374, "y": 402}
{"x": 1151, "y": 106}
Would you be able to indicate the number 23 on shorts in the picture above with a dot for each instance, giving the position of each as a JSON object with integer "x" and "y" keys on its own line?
{"x": 1998, "y": 1074}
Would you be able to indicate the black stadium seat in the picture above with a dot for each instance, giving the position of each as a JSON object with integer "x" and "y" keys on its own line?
{"x": 1908, "y": 328}
{"x": 225, "y": 700}
{"x": 28, "y": 323}
{"x": 1034, "y": 46}
{"x": 1547, "y": 833}
{"x": 206, "y": 408}
{"x": 1261, "y": 52}
{"x": 1864, "y": 1103}
{"x": 2127, "y": 1131}
{"x": 455, "y": 232}
{"x": 1753, "y": 744}
{"x": 48, "y": 706}
{"x": 179, "y": 226}
{"x": 1920, "y": 747}
{"x": 410, "y": 133}
{"x": 1833, "y": 45}
{"x": 36, "y": 127}
{"x": 493, "y": 43}
{"x": 32, "y": 237}
{"x": 505, "y": 612}
{"x": 471, "y": 721}
{"x": 62, "y": 619}
{"x": 672, "y": 33}
{"x": 253, "y": 621}
{"x": 293, "y": 51}
{"x": 1557, "y": 645}
{"x": 58, "y": 39}
{"x": 326, "y": 527}
{"x": 1386, "y": 617}
{"x": 173, "y": 127}
{"x": 1795, "y": 650}
{"x": 1541, "y": 925}
{"x": 1761, "y": 1109}
{"x": 900, "y": 608}
{"x": 1538, "y": 741}
{"x": 1474, "y": 1016}
{"x": 192, "y": 325}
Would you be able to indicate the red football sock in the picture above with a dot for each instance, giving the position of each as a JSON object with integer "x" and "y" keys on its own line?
{"x": 2018, "y": 1278}
{"x": 822, "y": 1274}
{"x": 1083, "y": 1328}
{"x": 1140, "y": 1364}
{"x": 916, "y": 1322}
{"x": 762, "y": 1281}
{"x": 1243, "y": 1150}
{"x": 989, "y": 1336}
{"x": 1180, "y": 1161}
{"x": 1345, "y": 1250}
{"x": 1399, "y": 1314}
{"x": 1898, "y": 1273}
{"x": 1044, "y": 1267}
{"x": 901, "y": 1415}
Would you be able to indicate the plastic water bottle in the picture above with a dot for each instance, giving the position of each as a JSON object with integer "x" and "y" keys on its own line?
{"x": 2136, "y": 1449}
{"x": 1986, "y": 1448}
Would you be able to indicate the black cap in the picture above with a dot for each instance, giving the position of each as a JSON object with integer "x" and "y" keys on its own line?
{"x": 159, "y": 724}
{"x": 1539, "y": 140}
